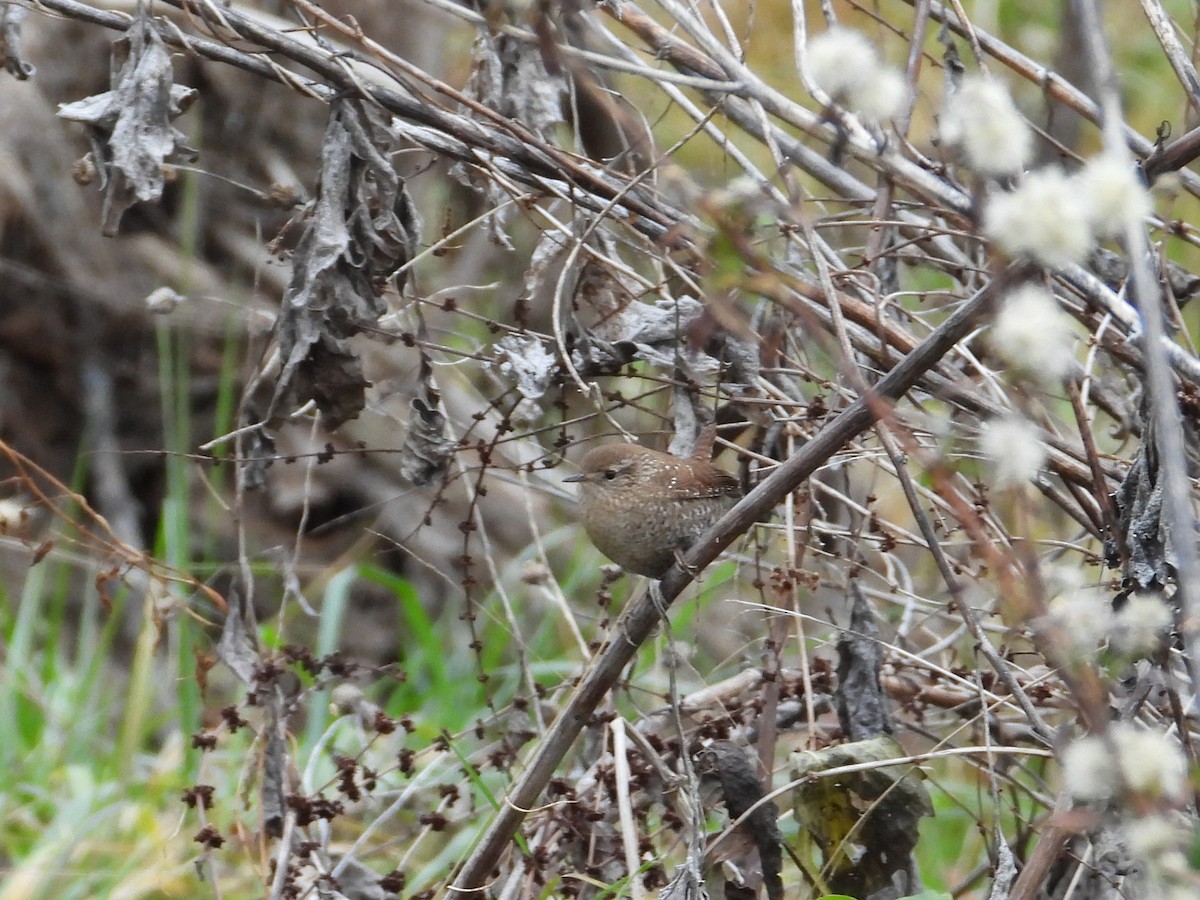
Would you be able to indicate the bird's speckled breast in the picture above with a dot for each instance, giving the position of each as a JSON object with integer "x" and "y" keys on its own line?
{"x": 645, "y": 539}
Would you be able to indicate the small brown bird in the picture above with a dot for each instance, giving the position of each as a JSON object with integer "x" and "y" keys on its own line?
{"x": 642, "y": 508}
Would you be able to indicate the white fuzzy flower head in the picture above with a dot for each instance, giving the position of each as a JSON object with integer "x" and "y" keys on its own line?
{"x": 1089, "y": 769}
{"x": 1145, "y": 761}
{"x": 983, "y": 122}
{"x": 1083, "y": 619}
{"x": 1046, "y": 219}
{"x": 881, "y": 98}
{"x": 1151, "y": 762}
{"x": 1161, "y": 842}
{"x": 845, "y": 64}
{"x": 1063, "y": 580}
{"x": 1139, "y": 627}
{"x": 1115, "y": 196}
{"x": 1151, "y": 836}
{"x": 840, "y": 60}
{"x": 1015, "y": 450}
{"x": 1033, "y": 335}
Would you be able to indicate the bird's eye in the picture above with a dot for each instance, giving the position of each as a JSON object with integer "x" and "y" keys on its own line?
{"x": 610, "y": 474}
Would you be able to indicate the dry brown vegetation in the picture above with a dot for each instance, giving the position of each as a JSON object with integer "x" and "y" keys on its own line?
{"x": 305, "y": 312}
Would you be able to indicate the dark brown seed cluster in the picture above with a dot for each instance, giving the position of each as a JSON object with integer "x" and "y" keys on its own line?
{"x": 641, "y": 507}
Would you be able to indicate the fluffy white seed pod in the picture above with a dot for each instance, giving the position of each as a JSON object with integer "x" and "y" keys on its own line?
{"x": 982, "y": 121}
{"x": 1046, "y": 219}
{"x": 1033, "y": 335}
{"x": 845, "y": 64}
{"x": 1116, "y": 197}
{"x": 1014, "y": 448}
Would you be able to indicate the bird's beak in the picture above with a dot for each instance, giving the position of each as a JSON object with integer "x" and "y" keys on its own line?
{"x": 579, "y": 477}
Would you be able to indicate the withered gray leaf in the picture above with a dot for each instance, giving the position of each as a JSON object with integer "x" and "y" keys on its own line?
{"x": 258, "y": 447}
{"x": 510, "y": 77}
{"x": 862, "y": 705}
{"x": 1006, "y": 870}
{"x": 130, "y": 125}
{"x": 1144, "y": 549}
{"x": 653, "y": 333}
{"x": 362, "y": 227}
{"x": 525, "y": 362}
{"x": 689, "y": 415}
{"x": 356, "y": 881}
{"x": 686, "y": 885}
{"x": 607, "y": 305}
{"x": 427, "y": 449}
{"x": 615, "y": 326}
{"x": 236, "y": 648}
{"x": 12, "y": 16}
{"x": 1139, "y": 507}
{"x": 741, "y": 790}
{"x": 548, "y": 255}
{"x": 274, "y": 772}
{"x": 862, "y": 826}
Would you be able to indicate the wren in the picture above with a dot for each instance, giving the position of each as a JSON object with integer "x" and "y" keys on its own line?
{"x": 642, "y": 508}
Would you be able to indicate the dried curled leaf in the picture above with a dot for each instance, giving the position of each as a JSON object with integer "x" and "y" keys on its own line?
{"x": 741, "y": 790}
{"x": 617, "y": 328}
{"x": 427, "y": 448}
{"x": 130, "y": 125}
{"x": 525, "y": 361}
{"x": 258, "y": 446}
{"x": 510, "y": 77}
{"x": 1138, "y": 502}
{"x": 274, "y": 775}
{"x": 645, "y": 332}
{"x": 362, "y": 229}
{"x": 862, "y": 704}
{"x": 237, "y": 648}
{"x": 12, "y": 16}
{"x": 1144, "y": 548}
{"x": 860, "y": 826}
